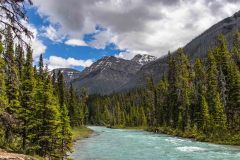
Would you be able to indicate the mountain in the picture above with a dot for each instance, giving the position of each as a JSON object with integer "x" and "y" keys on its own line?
{"x": 198, "y": 47}
{"x": 111, "y": 74}
{"x": 143, "y": 58}
{"x": 68, "y": 73}
{"x": 108, "y": 74}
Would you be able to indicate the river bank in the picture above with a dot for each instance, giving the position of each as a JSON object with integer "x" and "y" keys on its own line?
{"x": 128, "y": 144}
{"x": 81, "y": 132}
{"x": 77, "y": 134}
{"x": 228, "y": 139}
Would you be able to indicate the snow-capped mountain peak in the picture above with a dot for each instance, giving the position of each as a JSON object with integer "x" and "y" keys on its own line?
{"x": 143, "y": 58}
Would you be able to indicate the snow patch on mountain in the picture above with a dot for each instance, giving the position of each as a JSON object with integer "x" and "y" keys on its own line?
{"x": 143, "y": 58}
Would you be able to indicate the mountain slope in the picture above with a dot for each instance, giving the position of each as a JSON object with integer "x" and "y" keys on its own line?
{"x": 143, "y": 58}
{"x": 198, "y": 47}
{"x": 110, "y": 73}
{"x": 68, "y": 73}
{"x": 106, "y": 75}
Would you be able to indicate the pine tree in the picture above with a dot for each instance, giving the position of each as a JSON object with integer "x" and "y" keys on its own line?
{"x": 3, "y": 96}
{"x": 12, "y": 83}
{"x": 143, "y": 117}
{"x": 172, "y": 112}
{"x": 229, "y": 81}
{"x": 204, "y": 115}
{"x": 49, "y": 116}
{"x": 162, "y": 101}
{"x": 19, "y": 54}
{"x": 152, "y": 101}
{"x": 199, "y": 93}
{"x": 218, "y": 116}
{"x": 65, "y": 131}
{"x": 28, "y": 110}
{"x": 183, "y": 89}
{"x": 72, "y": 106}
{"x": 41, "y": 67}
{"x": 106, "y": 116}
{"x": 236, "y": 49}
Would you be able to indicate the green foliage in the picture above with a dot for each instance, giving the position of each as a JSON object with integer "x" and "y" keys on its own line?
{"x": 34, "y": 108}
{"x": 65, "y": 129}
{"x": 28, "y": 110}
{"x": 3, "y": 97}
{"x": 12, "y": 89}
{"x": 197, "y": 99}
{"x": 12, "y": 81}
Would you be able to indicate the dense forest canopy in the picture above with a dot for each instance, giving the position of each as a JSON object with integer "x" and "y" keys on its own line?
{"x": 37, "y": 109}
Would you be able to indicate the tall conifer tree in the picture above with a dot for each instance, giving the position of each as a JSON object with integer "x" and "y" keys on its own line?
{"x": 65, "y": 131}
{"x": 28, "y": 110}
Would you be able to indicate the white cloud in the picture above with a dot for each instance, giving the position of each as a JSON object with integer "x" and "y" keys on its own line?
{"x": 152, "y": 26}
{"x": 129, "y": 54}
{"x": 51, "y": 33}
{"x": 59, "y": 62}
{"x": 37, "y": 45}
{"x": 75, "y": 42}
{"x": 102, "y": 39}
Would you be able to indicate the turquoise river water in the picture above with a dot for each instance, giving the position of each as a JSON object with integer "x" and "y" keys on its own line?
{"x": 123, "y": 144}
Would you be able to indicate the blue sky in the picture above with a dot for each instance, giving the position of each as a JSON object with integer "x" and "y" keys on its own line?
{"x": 75, "y": 33}
{"x": 60, "y": 49}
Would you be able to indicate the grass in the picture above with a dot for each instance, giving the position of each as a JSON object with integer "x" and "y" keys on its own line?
{"x": 227, "y": 139}
{"x": 127, "y": 127}
{"x": 81, "y": 132}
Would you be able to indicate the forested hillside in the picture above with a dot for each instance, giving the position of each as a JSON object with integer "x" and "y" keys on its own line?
{"x": 37, "y": 110}
{"x": 199, "y": 99}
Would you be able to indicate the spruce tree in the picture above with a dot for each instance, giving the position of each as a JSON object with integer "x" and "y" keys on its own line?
{"x": 236, "y": 49}
{"x": 49, "y": 116}
{"x": 41, "y": 67}
{"x": 19, "y": 54}
{"x": 28, "y": 110}
{"x": 172, "y": 112}
{"x": 72, "y": 106}
{"x": 152, "y": 101}
{"x": 183, "y": 89}
{"x": 229, "y": 80}
{"x": 200, "y": 89}
{"x": 218, "y": 117}
{"x": 162, "y": 101}
{"x": 65, "y": 130}
{"x": 204, "y": 115}
{"x": 3, "y": 96}
{"x": 12, "y": 83}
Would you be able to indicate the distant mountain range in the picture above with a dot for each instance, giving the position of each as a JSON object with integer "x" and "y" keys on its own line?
{"x": 108, "y": 74}
{"x": 112, "y": 74}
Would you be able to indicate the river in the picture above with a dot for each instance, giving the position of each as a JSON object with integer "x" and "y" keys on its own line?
{"x": 123, "y": 144}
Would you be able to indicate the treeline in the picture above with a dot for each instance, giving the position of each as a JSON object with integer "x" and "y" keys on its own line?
{"x": 37, "y": 109}
{"x": 198, "y": 99}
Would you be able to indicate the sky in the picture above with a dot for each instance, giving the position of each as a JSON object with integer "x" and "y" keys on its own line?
{"x": 75, "y": 33}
